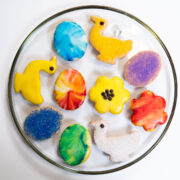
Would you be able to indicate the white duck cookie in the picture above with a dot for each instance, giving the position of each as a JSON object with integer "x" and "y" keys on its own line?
{"x": 119, "y": 147}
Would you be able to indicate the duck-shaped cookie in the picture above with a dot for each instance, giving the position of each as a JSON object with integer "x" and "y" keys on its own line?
{"x": 29, "y": 83}
{"x": 109, "y": 48}
{"x": 119, "y": 147}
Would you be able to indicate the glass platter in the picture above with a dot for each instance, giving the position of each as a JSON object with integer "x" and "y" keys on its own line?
{"x": 39, "y": 45}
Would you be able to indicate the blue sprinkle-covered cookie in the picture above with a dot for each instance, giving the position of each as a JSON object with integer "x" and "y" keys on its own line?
{"x": 70, "y": 41}
{"x": 43, "y": 123}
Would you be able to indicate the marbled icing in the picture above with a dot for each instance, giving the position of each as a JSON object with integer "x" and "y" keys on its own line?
{"x": 148, "y": 111}
{"x": 70, "y": 89}
{"x": 42, "y": 123}
{"x": 75, "y": 144}
{"x": 70, "y": 41}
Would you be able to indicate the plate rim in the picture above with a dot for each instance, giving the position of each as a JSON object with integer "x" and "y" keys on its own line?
{"x": 10, "y": 85}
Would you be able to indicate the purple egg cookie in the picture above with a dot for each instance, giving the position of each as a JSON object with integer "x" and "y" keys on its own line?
{"x": 142, "y": 68}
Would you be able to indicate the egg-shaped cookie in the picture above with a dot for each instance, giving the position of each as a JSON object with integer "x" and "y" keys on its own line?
{"x": 43, "y": 123}
{"x": 75, "y": 144}
{"x": 70, "y": 41}
{"x": 142, "y": 68}
{"x": 70, "y": 89}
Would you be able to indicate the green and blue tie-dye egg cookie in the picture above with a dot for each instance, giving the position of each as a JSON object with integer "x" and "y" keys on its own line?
{"x": 43, "y": 123}
{"x": 70, "y": 41}
{"x": 75, "y": 144}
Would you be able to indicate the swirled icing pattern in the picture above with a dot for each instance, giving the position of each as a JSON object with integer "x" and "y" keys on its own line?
{"x": 75, "y": 144}
{"x": 70, "y": 89}
{"x": 70, "y": 41}
{"x": 148, "y": 111}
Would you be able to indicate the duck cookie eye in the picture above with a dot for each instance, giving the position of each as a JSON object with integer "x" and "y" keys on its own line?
{"x": 101, "y": 23}
{"x": 51, "y": 68}
{"x": 102, "y": 125}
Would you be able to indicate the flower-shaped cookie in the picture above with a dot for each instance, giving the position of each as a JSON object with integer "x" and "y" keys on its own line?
{"x": 109, "y": 94}
{"x": 148, "y": 111}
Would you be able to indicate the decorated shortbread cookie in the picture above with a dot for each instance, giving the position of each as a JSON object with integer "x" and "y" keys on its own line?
{"x": 118, "y": 147}
{"x": 29, "y": 83}
{"x": 43, "y": 123}
{"x": 148, "y": 111}
{"x": 75, "y": 144}
{"x": 109, "y": 48}
{"x": 109, "y": 94}
{"x": 70, "y": 41}
{"x": 70, "y": 89}
{"x": 142, "y": 68}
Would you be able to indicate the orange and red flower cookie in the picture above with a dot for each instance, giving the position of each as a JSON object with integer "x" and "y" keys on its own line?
{"x": 70, "y": 89}
{"x": 148, "y": 111}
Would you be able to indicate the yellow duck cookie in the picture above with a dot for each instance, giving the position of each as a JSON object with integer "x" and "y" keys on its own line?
{"x": 29, "y": 83}
{"x": 109, "y": 94}
{"x": 109, "y": 48}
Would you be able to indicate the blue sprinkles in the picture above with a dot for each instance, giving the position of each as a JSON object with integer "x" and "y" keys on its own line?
{"x": 42, "y": 124}
{"x": 70, "y": 41}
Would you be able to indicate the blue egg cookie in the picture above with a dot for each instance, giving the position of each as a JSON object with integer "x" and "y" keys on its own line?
{"x": 43, "y": 123}
{"x": 70, "y": 41}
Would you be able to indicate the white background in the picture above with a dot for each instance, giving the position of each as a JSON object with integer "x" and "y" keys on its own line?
{"x": 18, "y": 18}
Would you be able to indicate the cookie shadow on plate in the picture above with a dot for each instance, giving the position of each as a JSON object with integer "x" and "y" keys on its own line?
{"x": 121, "y": 63}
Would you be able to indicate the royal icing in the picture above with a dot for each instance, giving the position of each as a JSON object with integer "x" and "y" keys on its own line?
{"x": 109, "y": 48}
{"x": 29, "y": 83}
{"x": 109, "y": 94}
{"x": 75, "y": 144}
{"x": 70, "y": 89}
{"x": 148, "y": 111}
